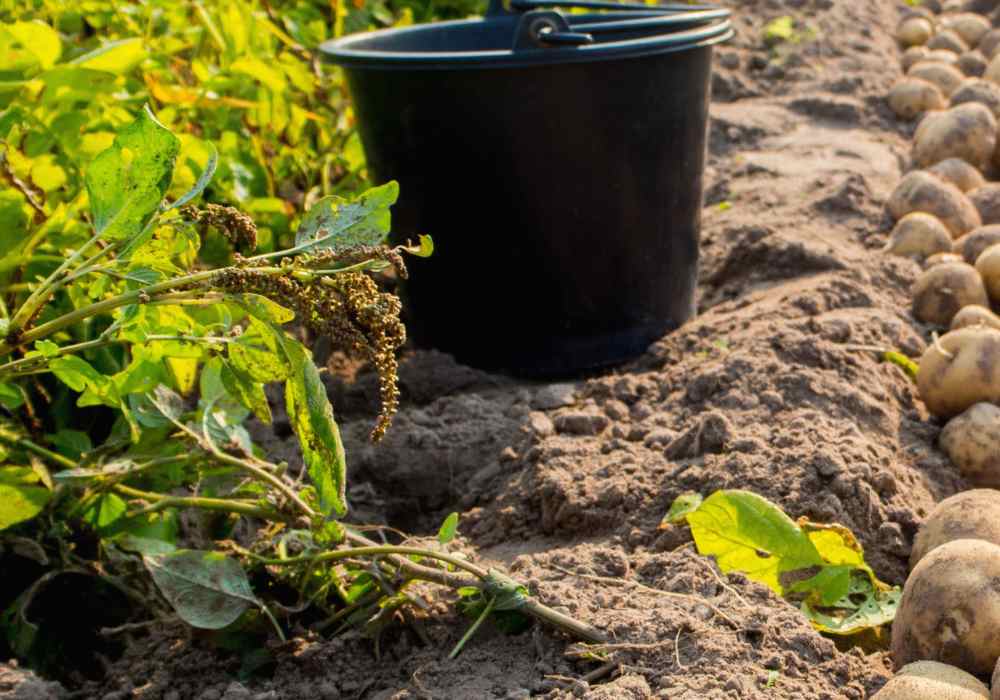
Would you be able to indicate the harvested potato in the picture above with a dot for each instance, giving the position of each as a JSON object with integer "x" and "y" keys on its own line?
{"x": 989, "y": 43}
{"x": 941, "y": 258}
{"x": 914, "y": 31}
{"x": 978, "y": 90}
{"x": 972, "y": 63}
{"x": 969, "y": 26}
{"x": 919, "y": 235}
{"x": 988, "y": 267}
{"x": 914, "y": 55}
{"x": 959, "y": 173}
{"x": 975, "y": 315}
{"x": 921, "y": 191}
{"x": 930, "y": 680}
{"x": 986, "y": 200}
{"x": 992, "y": 71}
{"x": 959, "y": 370}
{"x": 972, "y": 245}
{"x": 950, "y": 608}
{"x": 968, "y": 131}
{"x": 972, "y": 442}
{"x": 968, "y": 515}
{"x": 911, "y": 97}
{"x": 941, "y": 291}
{"x": 947, "y": 40}
{"x": 949, "y": 58}
{"x": 946, "y": 76}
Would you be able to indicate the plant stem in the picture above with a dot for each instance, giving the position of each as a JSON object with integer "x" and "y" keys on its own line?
{"x": 472, "y": 630}
{"x": 30, "y": 446}
{"x": 160, "y": 501}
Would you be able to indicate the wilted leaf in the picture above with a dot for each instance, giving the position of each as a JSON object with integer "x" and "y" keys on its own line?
{"x": 335, "y": 223}
{"x": 207, "y": 589}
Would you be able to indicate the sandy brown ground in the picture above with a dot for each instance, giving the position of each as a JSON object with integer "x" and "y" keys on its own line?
{"x": 565, "y": 484}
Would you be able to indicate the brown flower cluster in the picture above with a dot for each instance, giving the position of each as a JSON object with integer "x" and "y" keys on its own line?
{"x": 238, "y": 228}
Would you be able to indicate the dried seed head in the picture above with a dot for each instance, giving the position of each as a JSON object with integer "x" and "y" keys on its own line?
{"x": 238, "y": 228}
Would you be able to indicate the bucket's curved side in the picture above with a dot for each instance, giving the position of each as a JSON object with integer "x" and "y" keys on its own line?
{"x": 564, "y": 202}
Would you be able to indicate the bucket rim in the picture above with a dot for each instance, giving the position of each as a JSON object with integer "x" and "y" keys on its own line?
{"x": 342, "y": 52}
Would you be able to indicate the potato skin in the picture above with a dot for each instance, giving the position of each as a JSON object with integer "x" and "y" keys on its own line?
{"x": 960, "y": 369}
{"x": 959, "y": 173}
{"x": 914, "y": 31}
{"x": 911, "y": 97}
{"x": 986, "y": 200}
{"x": 941, "y": 291}
{"x": 967, "y": 131}
{"x": 944, "y": 673}
{"x": 972, "y": 63}
{"x": 972, "y": 442}
{"x": 950, "y": 609}
{"x": 921, "y": 191}
{"x": 919, "y": 235}
{"x": 947, "y": 40}
{"x": 989, "y": 43}
{"x": 969, "y": 26}
{"x": 945, "y": 75}
{"x": 980, "y": 91}
{"x": 988, "y": 267}
{"x": 975, "y": 315}
{"x": 968, "y": 515}
{"x": 916, "y": 54}
{"x": 971, "y": 245}
{"x": 911, "y": 687}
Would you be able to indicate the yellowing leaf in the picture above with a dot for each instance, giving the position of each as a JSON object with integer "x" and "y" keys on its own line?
{"x": 272, "y": 78}
{"x": 20, "y": 502}
{"x": 23, "y": 44}
{"x": 184, "y": 370}
{"x": 118, "y": 57}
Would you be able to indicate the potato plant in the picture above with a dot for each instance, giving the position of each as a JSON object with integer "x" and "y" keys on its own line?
{"x": 128, "y": 368}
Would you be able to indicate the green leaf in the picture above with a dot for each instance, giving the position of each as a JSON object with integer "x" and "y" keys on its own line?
{"x": 247, "y": 391}
{"x": 75, "y": 372}
{"x": 203, "y": 179}
{"x": 15, "y": 222}
{"x": 424, "y": 249}
{"x": 11, "y": 396}
{"x": 29, "y": 44}
{"x": 127, "y": 182}
{"x": 47, "y": 348}
{"x": 118, "y": 57}
{"x": 448, "y": 529}
{"x": 104, "y": 511}
{"x": 260, "y": 307}
{"x": 20, "y": 502}
{"x": 311, "y": 415}
{"x": 65, "y": 84}
{"x": 207, "y": 589}
{"x": 683, "y": 505}
{"x": 71, "y": 443}
{"x": 748, "y": 533}
{"x": 334, "y": 223}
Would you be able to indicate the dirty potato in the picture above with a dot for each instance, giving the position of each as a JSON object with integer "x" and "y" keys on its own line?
{"x": 969, "y": 26}
{"x": 919, "y": 235}
{"x": 972, "y": 63}
{"x": 916, "y": 54}
{"x": 975, "y": 315}
{"x": 945, "y": 75}
{"x": 989, "y": 43}
{"x": 971, "y": 245}
{"x": 986, "y": 200}
{"x": 941, "y": 258}
{"x": 984, "y": 92}
{"x": 972, "y": 442}
{"x": 968, "y": 515}
{"x": 911, "y": 97}
{"x": 988, "y": 267}
{"x": 950, "y": 609}
{"x": 968, "y": 131}
{"x": 930, "y": 680}
{"x": 959, "y": 173}
{"x": 921, "y": 191}
{"x": 959, "y": 370}
{"x": 947, "y": 40}
{"x": 914, "y": 31}
{"x": 941, "y": 291}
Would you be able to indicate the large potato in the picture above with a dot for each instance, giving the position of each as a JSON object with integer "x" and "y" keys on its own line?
{"x": 950, "y": 609}
{"x": 919, "y": 235}
{"x": 947, "y": 40}
{"x": 984, "y": 92}
{"x": 930, "y": 680}
{"x": 941, "y": 291}
{"x": 921, "y": 191}
{"x": 946, "y": 76}
{"x": 988, "y": 267}
{"x": 972, "y": 442}
{"x": 969, "y": 26}
{"x": 986, "y": 200}
{"x": 969, "y": 515}
{"x": 959, "y": 173}
{"x": 942, "y": 56}
{"x": 968, "y": 131}
{"x": 959, "y": 370}
{"x": 975, "y": 315}
{"x": 911, "y": 97}
{"x": 972, "y": 63}
{"x": 914, "y": 31}
{"x": 971, "y": 245}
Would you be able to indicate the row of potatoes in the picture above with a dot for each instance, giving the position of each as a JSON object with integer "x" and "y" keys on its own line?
{"x": 946, "y": 635}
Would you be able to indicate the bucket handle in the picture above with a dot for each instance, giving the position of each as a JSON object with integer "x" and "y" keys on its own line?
{"x": 512, "y": 7}
{"x": 541, "y": 28}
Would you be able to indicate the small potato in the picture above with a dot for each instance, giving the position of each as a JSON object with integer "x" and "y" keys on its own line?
{"x": 969, "y": 26}
{"x": 911, "y": 97}
{"x": 973, "y": 63}
{"x": 988, "y": 267}
{"x": 978, "y": 90}
{"x": 947, "y": 77}
{"x": 941, "y": 291}
{"x": 972, "y": 245}
{"x": 959, "y": 370}
{"x": 959, "y": 173}
{"x": 975, "y": 315}
{"x": 913, "y": 55}
{"x": 914, "y": 31}
{"x": 949, "y": 58}
{"x": 947, "y": 40}
{"x": 972, "y": 442}
{"x": 921, "y": 191}
{"x": 968, "y": 131}
{"x": 950, "y": 608}
{"x": 919, "y": 235}
{"x": 968, "y": 515}
{"x": 989, "y": 43}
{"x": 986, "y": 200}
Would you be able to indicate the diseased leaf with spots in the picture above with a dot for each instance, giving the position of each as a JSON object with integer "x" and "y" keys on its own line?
{"x": 207, "y": 589}
{"x": 335, "y": 223}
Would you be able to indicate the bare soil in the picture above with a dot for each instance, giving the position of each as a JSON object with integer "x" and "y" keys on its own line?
{"x": 565, "y": 484}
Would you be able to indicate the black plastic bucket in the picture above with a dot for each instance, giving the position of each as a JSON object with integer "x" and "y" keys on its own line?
{"x": 557, "y": 163}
